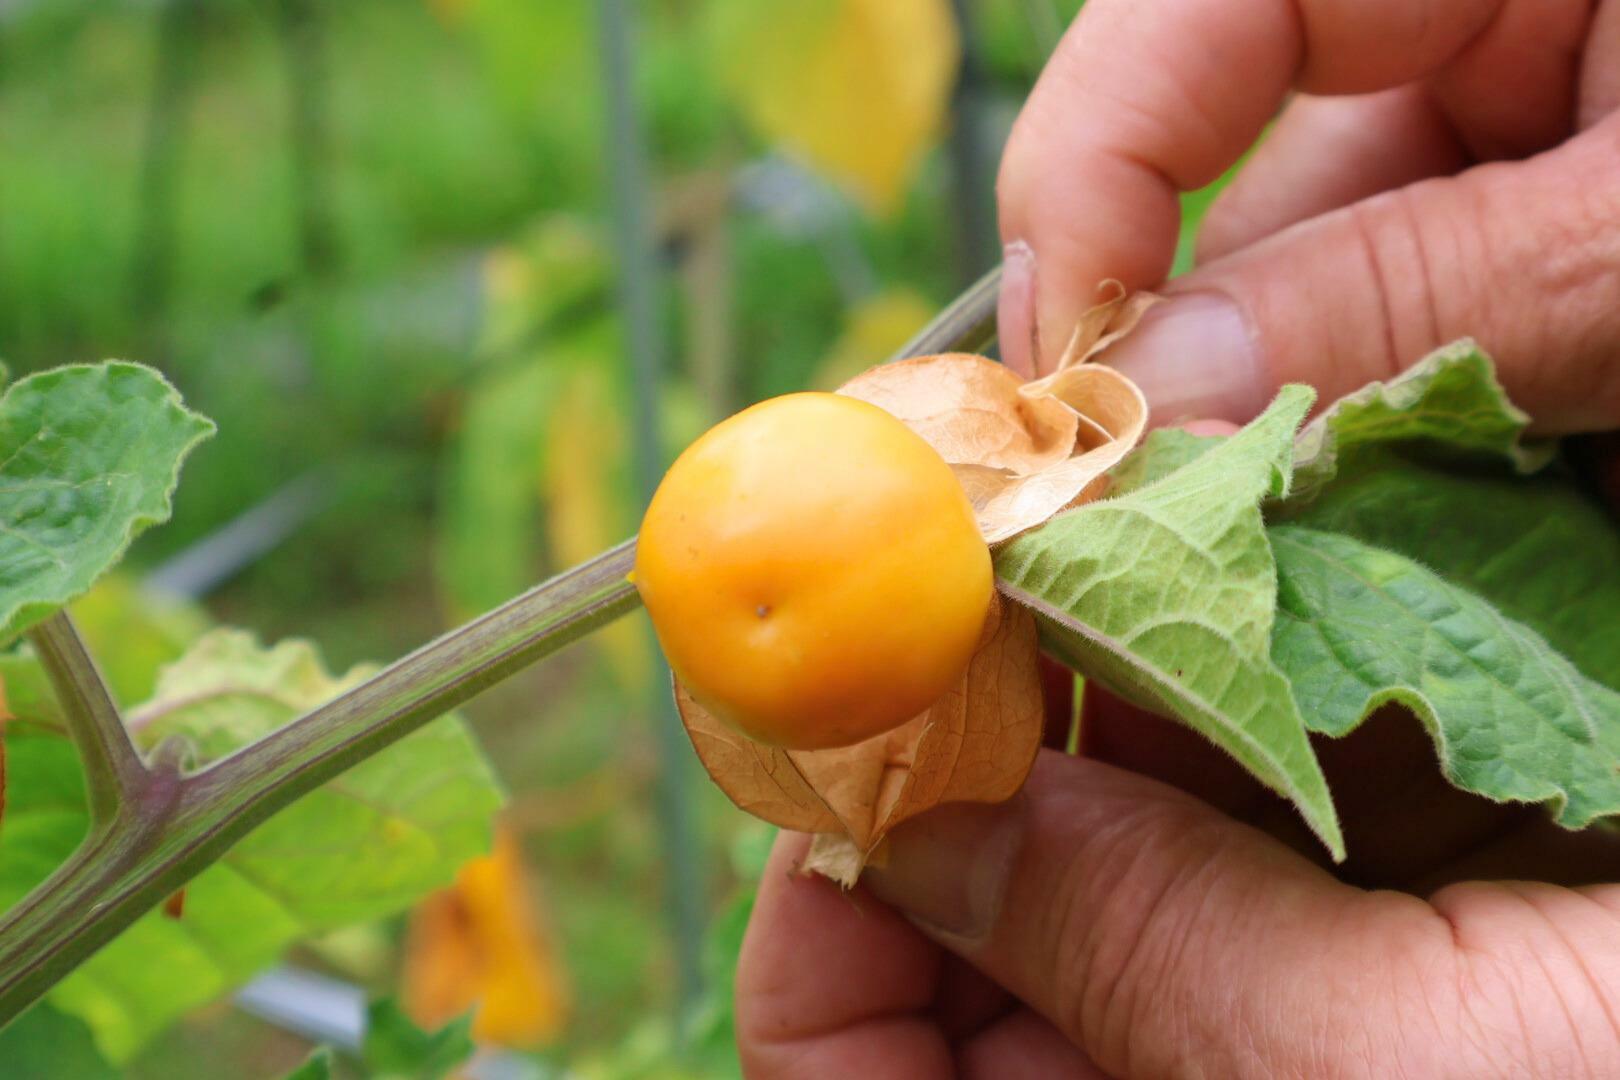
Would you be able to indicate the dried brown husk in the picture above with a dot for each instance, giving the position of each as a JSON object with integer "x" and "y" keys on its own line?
{"x": 976, "y": 744}
{"x": 1023, "y": 451}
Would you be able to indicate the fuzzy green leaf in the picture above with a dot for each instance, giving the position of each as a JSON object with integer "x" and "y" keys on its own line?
{"x": 1514, "y": 721}
{"x": 1161, "y": 453}
{"x": 1450, "y": 400}
{"x": 89, "y": 457}
{"x": 46, "y": 814}
{"x": 367, "y": 844}
{"x": 1167, "y": 595}
{"x": 1536, "y": 548}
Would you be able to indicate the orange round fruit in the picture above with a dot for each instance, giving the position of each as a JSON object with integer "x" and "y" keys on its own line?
{"x": 814, "y": 572}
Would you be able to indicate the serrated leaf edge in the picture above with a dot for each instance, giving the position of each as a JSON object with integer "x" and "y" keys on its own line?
{"x": 23, "y": 615}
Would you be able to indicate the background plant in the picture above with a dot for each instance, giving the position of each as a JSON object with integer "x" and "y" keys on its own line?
{"x": 384, "y": 248}
{"x": 372, "y": 241}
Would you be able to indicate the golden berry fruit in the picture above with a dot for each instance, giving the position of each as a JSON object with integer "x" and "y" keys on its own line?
{"x": 814, "y": 571}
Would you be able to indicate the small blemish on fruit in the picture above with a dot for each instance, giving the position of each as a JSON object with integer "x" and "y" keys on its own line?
{"x": 763, "y": 610}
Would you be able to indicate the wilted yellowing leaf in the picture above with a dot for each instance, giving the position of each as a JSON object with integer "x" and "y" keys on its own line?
{"x": 481, "y": 944}
{"x": 856, "y": 88}
{"x": 586, "y": 509}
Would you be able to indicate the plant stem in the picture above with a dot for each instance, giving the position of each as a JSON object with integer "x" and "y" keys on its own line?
{"x": 968, "y": 323}
{"x": 113, "y": 771}
{"x": 172, "y": 826}
{"x": 169, "y": 827}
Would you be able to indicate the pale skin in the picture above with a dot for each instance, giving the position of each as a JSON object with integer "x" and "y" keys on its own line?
{"x": 1438, "y": 168}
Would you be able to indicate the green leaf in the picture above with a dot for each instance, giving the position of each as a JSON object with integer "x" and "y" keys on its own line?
{"x": 1161, "y": 453}
{"x": 1450, "y": 400}
{"x": 89, "y": 457}
{"x": 396, "y": 1047}
{"x": 1167, "y": 595}
{"x": 44, "y": 1043}
{"x": 46, "y": 813}
{"x": 1359, "y": 627}
{"x": 318, "y": 1066}
{"x": 1535, "y": 547}
{"x": 367, "y": 844}
{"x": 489, "y": 548}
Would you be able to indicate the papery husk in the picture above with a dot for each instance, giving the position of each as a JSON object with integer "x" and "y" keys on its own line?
{"x": 976, "y": 744}
{"x": 1023, "y": 451}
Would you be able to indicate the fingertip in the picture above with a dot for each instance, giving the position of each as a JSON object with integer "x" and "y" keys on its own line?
{"x": 1196, "y": 355}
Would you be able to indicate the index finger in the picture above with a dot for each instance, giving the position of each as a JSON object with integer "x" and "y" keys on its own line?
{"x": 1144, "y": 101}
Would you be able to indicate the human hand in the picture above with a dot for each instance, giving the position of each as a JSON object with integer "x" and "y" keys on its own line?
{"x": 1362, "y": 233}
{"x": 1106, "y": 924}
{"x": 1147, "y": 909}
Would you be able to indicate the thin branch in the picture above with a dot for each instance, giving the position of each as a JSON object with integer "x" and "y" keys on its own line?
{"x": 114, "y": 774}
{"x": 188, "y": 822}
{"x": 968, "y": 323}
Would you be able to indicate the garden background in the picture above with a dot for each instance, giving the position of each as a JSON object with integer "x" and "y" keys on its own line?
{"x": 455, "y": 278}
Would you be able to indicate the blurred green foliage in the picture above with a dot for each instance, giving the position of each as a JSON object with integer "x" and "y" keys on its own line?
{"x": 446, "y": 363}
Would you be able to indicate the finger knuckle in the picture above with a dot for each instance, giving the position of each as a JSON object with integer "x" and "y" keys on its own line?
{"x": 1144, "y": 924}
{"x": 1549, "y": 239}
{"x": 1531, "y": 1000}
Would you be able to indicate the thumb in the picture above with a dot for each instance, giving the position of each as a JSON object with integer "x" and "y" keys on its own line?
{"x": 1524, "y": 257}
{"x": 1156, "y": 932}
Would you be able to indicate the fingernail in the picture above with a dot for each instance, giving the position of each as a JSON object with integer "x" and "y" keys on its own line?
{"x": 948, "y": 869}
{"x": 1015, "y": 312}
{"x": 1194, "y": 356}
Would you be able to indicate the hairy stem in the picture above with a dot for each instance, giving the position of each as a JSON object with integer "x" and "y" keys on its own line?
{"x": 113, "y": 771}
{"x": 170, "y": 827}
{"x": 167, "y": 827}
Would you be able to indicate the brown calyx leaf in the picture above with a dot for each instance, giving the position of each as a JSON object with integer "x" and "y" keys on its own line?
{"x": 975, "y": 744}
{"x": 836, "y": 857}
{"x": 1022, "y": 450}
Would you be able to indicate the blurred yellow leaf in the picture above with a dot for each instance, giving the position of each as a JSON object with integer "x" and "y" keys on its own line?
{"x": 877, "y": 327}
{"x": 857, "y": 88}
{"x": 583, "y": 465}
{"x": 557, "y": 265}
{"x": 481, "y": 944}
